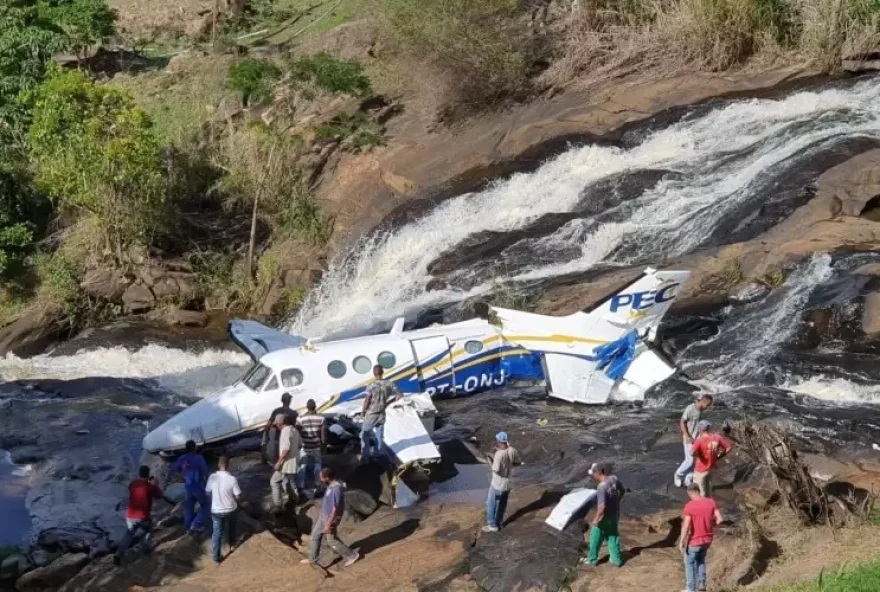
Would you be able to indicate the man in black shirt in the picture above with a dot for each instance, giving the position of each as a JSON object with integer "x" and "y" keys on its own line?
{"x": 271, "y": 425}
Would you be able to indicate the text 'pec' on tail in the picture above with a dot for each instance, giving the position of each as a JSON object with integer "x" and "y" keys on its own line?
{"x": 639, "y": 306}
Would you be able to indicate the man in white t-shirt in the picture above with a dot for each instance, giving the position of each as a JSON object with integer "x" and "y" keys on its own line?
{"x": 224, "y": 491}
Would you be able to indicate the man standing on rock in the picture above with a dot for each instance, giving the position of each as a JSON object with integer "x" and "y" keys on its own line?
{"x": 688, "y": 427}
{"x": 314, "y": 440}
{"x": 195, "y": 474}
{"x": 284, "y": 477}
{"x": 700, "y": 517}
{"x": 225, "y": 492}
{"x": 379, "y": 395}
{"x": 332, "y": 508}
{"x": 138, "y": 517}
{"x": 707, "y": 449}
{"x": 506, "y": 457}
{"x": 604, "y": 527}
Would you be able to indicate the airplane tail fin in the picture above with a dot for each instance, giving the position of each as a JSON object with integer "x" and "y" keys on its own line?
{"x": 639, "y": 306}
{"x": 602, "y": 353}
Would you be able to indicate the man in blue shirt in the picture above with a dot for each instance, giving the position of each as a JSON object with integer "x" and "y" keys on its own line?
{"x": 332, "y": 508}
{"x": 195, "y": 474}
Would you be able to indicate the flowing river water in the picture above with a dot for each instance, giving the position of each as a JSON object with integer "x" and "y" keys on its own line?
{"x": 720, "y": 174}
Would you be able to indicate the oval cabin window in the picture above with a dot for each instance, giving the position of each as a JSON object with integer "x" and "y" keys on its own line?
{"x": 336, "y": 369}
{"x": 473, "y": 347}
{"x": 362, "y": 364}
{"x": 386, "y": 360}
{"x": 291, "y": 378}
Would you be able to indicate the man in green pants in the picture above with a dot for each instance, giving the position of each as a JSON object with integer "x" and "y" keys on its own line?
{"x": 609, "y": 494}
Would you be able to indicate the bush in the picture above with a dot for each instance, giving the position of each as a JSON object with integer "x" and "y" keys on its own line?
{"x": 356, "y": 131}
{"x": 23, "y": 216}
{"x": 259, "y": 166}
{"x": 253, "y": 78}
{"x": 332, "y": 75}
{"x": 94, "y": 150}
{"x": 481, "y": 46}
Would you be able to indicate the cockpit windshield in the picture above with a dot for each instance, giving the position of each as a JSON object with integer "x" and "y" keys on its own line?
{"x": 256, "y": 377}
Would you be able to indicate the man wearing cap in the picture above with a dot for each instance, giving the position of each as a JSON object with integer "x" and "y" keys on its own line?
{"x": 707, "y": 449}
{"x": 699, "y": 519}
{"x": 688, "y": 427}
{"x": 505, "y": 458}
{"x": 604, "y": 526}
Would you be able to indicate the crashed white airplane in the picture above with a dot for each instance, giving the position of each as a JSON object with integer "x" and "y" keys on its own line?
{"x": 595, "y": 356}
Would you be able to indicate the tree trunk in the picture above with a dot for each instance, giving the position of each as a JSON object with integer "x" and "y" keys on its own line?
{"x": 253, "y": 242}
{"x": 214, "y": 25}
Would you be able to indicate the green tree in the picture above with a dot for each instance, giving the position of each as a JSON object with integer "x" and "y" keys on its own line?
{"x": 94, "y": 150}
{"x": 31, "y": 32}
{"x": 84, "y": 22}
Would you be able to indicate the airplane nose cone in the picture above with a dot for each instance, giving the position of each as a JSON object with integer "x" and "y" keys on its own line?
{"x": 156, "y": 441}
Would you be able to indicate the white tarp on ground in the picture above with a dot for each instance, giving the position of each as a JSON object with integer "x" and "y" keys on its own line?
{"x": 405, "y": 434}
{"x": 568, "y": 506}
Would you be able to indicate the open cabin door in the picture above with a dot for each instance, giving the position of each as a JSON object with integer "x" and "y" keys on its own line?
{"x": 433, "y": 357}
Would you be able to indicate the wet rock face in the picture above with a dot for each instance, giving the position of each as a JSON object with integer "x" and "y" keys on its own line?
{"x": 54, "y": 575}
{"x": 32, "y": 333}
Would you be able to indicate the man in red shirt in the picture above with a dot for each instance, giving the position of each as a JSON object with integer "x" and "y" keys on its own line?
{"x": 141, "y": 493}
{"x": 707, "y": 449}
{"x": 700, "y": 517}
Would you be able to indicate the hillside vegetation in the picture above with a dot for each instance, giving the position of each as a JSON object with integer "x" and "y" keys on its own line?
{"x": 199, "y": 142}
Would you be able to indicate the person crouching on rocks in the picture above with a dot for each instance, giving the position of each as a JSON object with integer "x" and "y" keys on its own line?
{"x": 604, "y": 526}
{"x": 700, "y": 517}
{"x": 141, "y": 493}
{"x": 505, "y": 458}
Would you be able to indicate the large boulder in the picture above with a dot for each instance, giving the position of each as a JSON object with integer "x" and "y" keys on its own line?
{"x": 871, "y": 314}
{"x": 54, "y": 575}
{"x": 32, "y": 333}
{"x": 14, "y": 566}
{"x": 854, "y": 182}
{"x": 138, "y": 298}
{"x": 104, "y": 283}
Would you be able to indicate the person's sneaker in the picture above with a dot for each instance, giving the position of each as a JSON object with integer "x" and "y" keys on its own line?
{"x": 488, "y": 528}
{"x": 678, "y": 480}
{"x": 355, "y": 555}
{"x": 585, "y": 563}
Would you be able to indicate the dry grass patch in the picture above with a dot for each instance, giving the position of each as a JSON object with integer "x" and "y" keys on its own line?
{"x": 181, "y": 97}
{"x": 157, "y": 19}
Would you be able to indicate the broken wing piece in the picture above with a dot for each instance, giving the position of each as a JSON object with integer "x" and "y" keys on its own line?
{"x": 258, "y": 340}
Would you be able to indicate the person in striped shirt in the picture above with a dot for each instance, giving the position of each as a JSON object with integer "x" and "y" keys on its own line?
{"x": 314, "y": 440}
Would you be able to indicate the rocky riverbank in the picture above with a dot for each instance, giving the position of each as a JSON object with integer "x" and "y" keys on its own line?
{"x": 437, "y": 544}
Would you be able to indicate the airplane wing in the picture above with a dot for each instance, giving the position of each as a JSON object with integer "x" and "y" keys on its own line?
{"x": 257, "y": 339}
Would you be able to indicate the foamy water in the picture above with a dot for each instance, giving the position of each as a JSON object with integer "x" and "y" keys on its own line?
{"x": 720, "y": 159}
{"x": 835, "y": 390}
{"x": 182, "y": 372}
